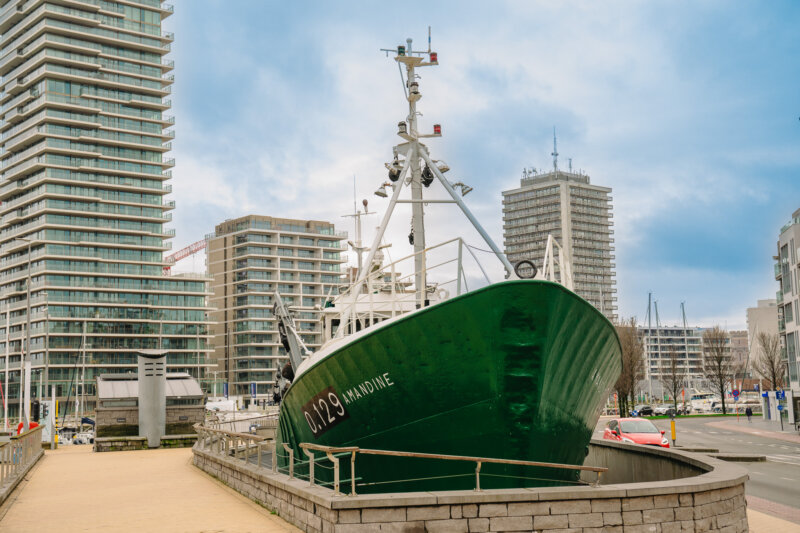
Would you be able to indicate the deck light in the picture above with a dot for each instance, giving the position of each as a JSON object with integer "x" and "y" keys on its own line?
{"x": 381, "y": 192}
{"x": 401, "y": 50}
{"x": 434, "y": 57}
{"x": 427, "y": 176}
{"x": 442, "y": 166}
{"x": 414, "y": 87}
{"x": 437, "y": 129}
{"x": 394, "y": 169}
{"x": 465, "y": 189}
{"x": 401, "y": 128}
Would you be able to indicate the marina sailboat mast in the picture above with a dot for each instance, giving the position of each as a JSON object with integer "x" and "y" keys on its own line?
{"x": 413, "y": 167}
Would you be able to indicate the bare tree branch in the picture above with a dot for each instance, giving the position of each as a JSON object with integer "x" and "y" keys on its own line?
{"x": 672, "y": 374}
{"x": 632, "y": 364}
{"x": 769, "y": 365}
{"x": 717, "y": 361}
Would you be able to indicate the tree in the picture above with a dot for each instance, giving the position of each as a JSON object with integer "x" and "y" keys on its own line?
{"x": 632, "y": 364}
{"x": 672, "y": 374}
{"x": 718, "y": 365}
{"x": 769, "y": 364}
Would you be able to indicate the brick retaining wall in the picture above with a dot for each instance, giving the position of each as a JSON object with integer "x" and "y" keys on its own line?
{"x": 713, "y": 501}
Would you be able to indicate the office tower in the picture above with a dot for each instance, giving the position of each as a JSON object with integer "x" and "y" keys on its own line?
{"x": 84, "y": 174}
{"x": 787, "y": 272}
{"x": 249, "y": 259}
{"x": 578, "y": 215}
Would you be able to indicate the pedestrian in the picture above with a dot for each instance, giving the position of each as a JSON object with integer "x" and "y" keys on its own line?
{"x": 749, "y": 413}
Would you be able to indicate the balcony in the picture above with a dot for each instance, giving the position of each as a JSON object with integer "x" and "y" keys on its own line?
{"x": 778, "y": 270}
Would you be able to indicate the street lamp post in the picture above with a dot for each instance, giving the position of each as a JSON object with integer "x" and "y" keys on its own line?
{"x": 47, "y": 348}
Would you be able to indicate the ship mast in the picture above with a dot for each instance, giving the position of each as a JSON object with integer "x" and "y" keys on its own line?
{"x": 412, "y": 166}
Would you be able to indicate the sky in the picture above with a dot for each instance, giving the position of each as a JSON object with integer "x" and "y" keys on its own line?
{"x": 687, "y": 110}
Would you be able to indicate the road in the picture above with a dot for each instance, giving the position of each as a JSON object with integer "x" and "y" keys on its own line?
{"x": 776, "y": 480}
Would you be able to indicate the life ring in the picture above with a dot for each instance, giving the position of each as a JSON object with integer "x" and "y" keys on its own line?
{"x": 522, "y": 263}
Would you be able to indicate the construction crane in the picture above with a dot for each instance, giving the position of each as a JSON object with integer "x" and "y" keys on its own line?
{"x": 183, "y": 253}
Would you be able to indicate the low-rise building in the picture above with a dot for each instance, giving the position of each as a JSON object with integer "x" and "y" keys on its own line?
{"x": 118, "y": 405}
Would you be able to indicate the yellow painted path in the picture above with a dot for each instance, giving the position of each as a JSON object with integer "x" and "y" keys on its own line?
{"x": 75, "y": 489}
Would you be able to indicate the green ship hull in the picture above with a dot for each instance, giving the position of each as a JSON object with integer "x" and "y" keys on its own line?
{"x": 516, "y": 370}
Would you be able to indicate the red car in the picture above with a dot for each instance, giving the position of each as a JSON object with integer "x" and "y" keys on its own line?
{"x": 635, "y": 430}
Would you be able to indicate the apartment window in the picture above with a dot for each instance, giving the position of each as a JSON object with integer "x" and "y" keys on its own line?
{"x": 305, "y": 241}
{"x": 305, "y": 265}
{"x": 287, "y": 264}
{"x": 287, "y": 240}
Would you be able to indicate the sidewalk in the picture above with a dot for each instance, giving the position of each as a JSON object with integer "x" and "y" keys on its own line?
{"x": 759, "y": 427}
{"x": 765, "y": 523}
{"x": 75, "y": 489}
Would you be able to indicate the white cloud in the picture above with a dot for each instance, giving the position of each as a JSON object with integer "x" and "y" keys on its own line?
{"x": 609, "y": 74}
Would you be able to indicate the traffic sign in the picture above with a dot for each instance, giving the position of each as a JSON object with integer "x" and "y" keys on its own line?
{"x": 780, "y": 407}
{"x": 735, "y": 393}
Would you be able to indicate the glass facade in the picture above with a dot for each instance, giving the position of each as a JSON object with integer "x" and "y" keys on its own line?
{"x": 242, "y": 253}
{"x": 84, "y": 179}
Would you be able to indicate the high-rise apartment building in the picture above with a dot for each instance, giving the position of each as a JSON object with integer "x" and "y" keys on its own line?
{"x": 249, "y": 259}
{"x": 787, "y": 272}
{"x": 84, "y": 174}
{"x": 578, "y": 215}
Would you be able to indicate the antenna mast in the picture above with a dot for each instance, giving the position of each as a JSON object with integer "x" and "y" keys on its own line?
{"x": 412, "y": 166}
{"x": 555, "y": 151}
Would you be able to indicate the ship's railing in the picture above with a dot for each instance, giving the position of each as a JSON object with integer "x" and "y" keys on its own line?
{"x": 263, "y": 452}
{"x": 18, "y": 454}
{"x": 443, "y": 269}
{"x": 331, "y": 452}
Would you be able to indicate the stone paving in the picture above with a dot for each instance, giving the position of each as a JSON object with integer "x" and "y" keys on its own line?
{"x": 74, "y": 489}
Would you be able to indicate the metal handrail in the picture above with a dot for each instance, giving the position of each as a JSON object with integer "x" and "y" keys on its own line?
{"x": 241, "y": 445}
{"x": 353, "y": 450}
{"x": 18, "y": 453}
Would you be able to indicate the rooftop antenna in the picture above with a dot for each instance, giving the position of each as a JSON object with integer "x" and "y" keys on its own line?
{"x": 555, "y": 151}
{"x": 429, "y": 39}
{"x": 570, "y": 165}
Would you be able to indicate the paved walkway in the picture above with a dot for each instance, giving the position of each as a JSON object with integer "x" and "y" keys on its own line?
{"x": 764, "y": 523}
{"x": 75, "y": 489}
